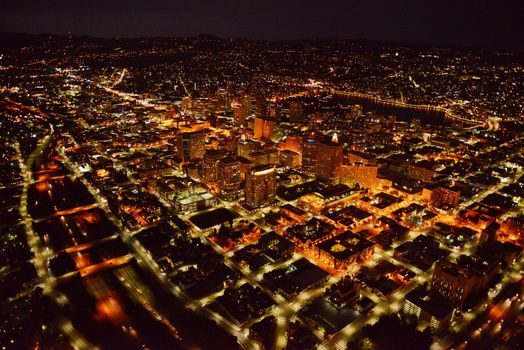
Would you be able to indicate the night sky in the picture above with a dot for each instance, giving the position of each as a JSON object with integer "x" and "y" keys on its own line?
{"x": 481, "y": 23}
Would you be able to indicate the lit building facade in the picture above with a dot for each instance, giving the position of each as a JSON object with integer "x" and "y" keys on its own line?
{"x": 345, "y": 249}
{"x": 292, "y": 143}
{"x": 309, "y": 155}
{"x": 210, "y": 162}
{"x": 289, "y": 159}
{"x": 191, "y": 145}
{"x": 224, "y": 100}
{"x": 194, "y": 199}
{"x": 260, "y": 186}
{"x": 361, "y": 157}
{"x": 228, "y": 178}
{"x": 246, "y": 147}
{"x": 265, "y": 156}
{"x": 452, "y": 283}
{"x": 240, "y": 113}
{"x": 365, "y": 175}
{"x": 420, "y": 172}
{"x": 425, "y": 308}
{"x": 329, "y": 160}
{"x": 263, "y": 129}
{"x": 445, "y": 197}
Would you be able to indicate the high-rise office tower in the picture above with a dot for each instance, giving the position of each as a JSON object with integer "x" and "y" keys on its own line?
{"x": 210, "y": 162}
{"x": 264, "y": 156}
{"x": 258, "y": 128}
{"x": 224, "y": 100}
{"x": 272, "y": 155}
{"x": 263, "y": 128}
{"x": 259, "y": 157}
{"x": 260, "y": 186}
{"x": 228, "y": 178}
{"x": 309, "y": 154}
{"x": 240, "y": 113}
{"x": 191, "y": 145}
{"x": 329, "y": 160}
{"x": 246, "y": 101}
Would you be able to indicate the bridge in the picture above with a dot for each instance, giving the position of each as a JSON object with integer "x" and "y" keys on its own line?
{"x": 398, "y": 104}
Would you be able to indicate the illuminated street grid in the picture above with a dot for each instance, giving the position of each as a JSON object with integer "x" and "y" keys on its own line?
{"x": 122, "y": 200}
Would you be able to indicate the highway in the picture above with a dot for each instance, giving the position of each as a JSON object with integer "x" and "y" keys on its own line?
{"x": 41, "y": 253}
{"x": 137, "y": 288}
{"x": 113, "y": 302}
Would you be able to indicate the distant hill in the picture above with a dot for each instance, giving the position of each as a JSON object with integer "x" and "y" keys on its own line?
{"x": 15, "y": 41}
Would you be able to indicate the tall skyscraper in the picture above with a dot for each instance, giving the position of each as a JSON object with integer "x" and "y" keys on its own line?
{"x": 240, "y": 113}
{"x": 260, "y": 186}
{"x": 264, "y": 156}
{"x": 272, "y": 155}
{"x": 210, "y": 162}
{"x": 224, "y": 100}
{"x": 258, "y": 157}
{"x": 258, "y": 128}
{"x": 309, "y": 155}
{"x": 191, "y": 145}
{"x": 246, "y": 101}
{"x": 228, "y": 178}
{"x": 263, "y": 128}
{"x": 329, "y": 160}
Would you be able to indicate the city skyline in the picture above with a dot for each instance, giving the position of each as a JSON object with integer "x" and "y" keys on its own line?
{"x": 202, "y": 192}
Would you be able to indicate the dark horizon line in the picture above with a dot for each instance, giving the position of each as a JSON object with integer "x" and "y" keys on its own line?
{"x": 325, "y": 38}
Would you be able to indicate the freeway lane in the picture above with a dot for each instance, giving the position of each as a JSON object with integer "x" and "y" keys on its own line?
{"x": 150, "y": 292}
{"x": 41, "y": 253}
{"x": 98, "y": 305}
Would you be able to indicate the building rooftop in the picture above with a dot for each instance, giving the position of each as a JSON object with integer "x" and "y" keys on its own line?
{"x": 432, "y": 305}
{"x": 345, "y": 245}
